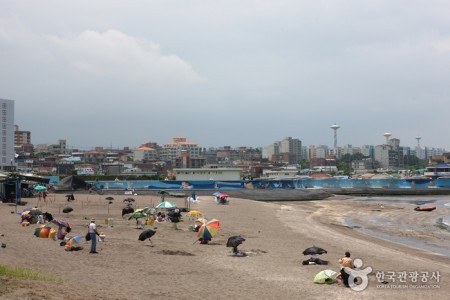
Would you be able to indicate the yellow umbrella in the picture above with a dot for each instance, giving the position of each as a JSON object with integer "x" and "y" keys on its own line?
{"x": 194, "y": 213}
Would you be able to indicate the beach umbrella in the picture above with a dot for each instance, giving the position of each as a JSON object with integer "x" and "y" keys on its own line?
{"x": 63, "y": 228}
{"x": 166, "y": 204}
{"x": 40, "y": 188}
{"x": 139, "y": 213}
{"x": 216, "y": 193}
{"x": 224, "y": 195}
{"x": 146, "y": 234}
{"x": 109, "y": 198}
{"x": 314, "y": 251}
{"x": 194, "y": 214}
{"x": 325, "y": 276}
{"x": 128, "y": 200}
{"x": 42, "y": 231}
{"x": 235, "y": 241}
{"x": 60, "y": 222}
{"x": 209, "y": 229}
{"x": 127, "y": 210}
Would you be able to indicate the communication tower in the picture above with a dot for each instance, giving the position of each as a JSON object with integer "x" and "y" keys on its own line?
{"x": 335, "y": 128}
{"x": 418, "y": 138}
{"x": 387, "y": 135}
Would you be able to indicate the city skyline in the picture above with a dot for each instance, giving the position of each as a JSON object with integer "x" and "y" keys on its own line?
{"x": 223, "y": 73}
{"x": 261, "y": 147}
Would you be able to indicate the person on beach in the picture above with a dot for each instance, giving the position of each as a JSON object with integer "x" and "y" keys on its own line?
{"x": 345, "y": 262}
{"x": 313, "y": 257}
{"x": 204, "y": 241}
{"x": 93, "y": 233}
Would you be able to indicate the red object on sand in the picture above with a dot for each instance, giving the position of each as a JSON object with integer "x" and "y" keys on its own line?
{"x": 425, "y": 208}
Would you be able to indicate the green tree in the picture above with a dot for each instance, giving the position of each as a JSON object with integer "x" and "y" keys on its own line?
{"x": 304, "y": 163}
{"x": 344, "y": 164}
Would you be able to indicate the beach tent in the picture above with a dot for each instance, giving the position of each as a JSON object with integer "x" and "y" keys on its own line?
{"x": 325, "y": 276}
{"x": 74, "y": 244}
{"x": 70, "y": 183}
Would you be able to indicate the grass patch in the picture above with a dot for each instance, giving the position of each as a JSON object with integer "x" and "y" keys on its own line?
{"x": 442, "y": 226}
{"x": 24, "y": 273}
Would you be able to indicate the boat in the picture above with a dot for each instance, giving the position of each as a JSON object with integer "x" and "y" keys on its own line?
{"x": 425, "y": 208}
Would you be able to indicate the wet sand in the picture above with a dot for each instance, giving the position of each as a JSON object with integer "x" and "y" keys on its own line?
{"x": 179, "y": 267}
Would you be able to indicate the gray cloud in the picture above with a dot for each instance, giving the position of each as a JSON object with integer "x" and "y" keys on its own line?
{"x": 227, "y": 72}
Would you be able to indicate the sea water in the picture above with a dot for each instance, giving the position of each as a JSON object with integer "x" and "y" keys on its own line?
{"x": 442, "y": 204}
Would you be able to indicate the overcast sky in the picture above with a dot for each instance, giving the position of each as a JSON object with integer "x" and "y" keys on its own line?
{"x": 120, "y": 73}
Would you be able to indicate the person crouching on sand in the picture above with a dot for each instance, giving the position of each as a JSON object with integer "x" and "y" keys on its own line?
{"x": 344, "y": 262}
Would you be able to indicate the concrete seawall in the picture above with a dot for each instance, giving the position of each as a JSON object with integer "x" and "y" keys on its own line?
{"x": 296, "y": 194}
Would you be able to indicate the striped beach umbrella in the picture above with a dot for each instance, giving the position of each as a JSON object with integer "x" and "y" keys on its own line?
{"x": 208, "y": 230}
{"x": 166, "y": 204}
{"x": 42, "y": 231}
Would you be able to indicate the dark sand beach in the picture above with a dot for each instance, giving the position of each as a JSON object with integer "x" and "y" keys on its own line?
{"x": 177, "y": 266}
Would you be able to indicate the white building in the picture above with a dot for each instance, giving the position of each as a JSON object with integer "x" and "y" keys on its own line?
{"x": 172, "y": 151}
{"x": 208, "y": 174}
{"x": 270, "y": 152}
{"x": 7, "y": 133}
{"x": 288, "y": 172}
{"x": 420, "y": 153}
{"x": 145, "y": 154}
{"x": 381, "y": 154}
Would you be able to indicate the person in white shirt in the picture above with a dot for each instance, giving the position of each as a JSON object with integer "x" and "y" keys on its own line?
{"x": 93, "y": 233}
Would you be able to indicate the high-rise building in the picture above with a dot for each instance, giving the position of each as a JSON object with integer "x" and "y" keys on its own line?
{"x": 22, "y": 141}
{"x": 291, "y": 150}
{"x": 320, "y": 151}
{"x": 367, "y": 150}
{"x": 7, "y": 134}
{"x": 271, "y": 151}
{"x": 21, "y": 137}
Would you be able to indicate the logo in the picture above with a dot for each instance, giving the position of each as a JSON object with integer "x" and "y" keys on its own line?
{"x": 358, "y": 279}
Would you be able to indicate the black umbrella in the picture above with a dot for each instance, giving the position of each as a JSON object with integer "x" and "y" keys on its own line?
{"x": 127, "y": 210}
{"x": 314, "y": 250}
{"x": 235, "y": 241}
{"x": 147, "y": 234}
{"x": 67, "y": 209}
{"x": 109, "y": 198}
{"x": 129, "y": 200}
